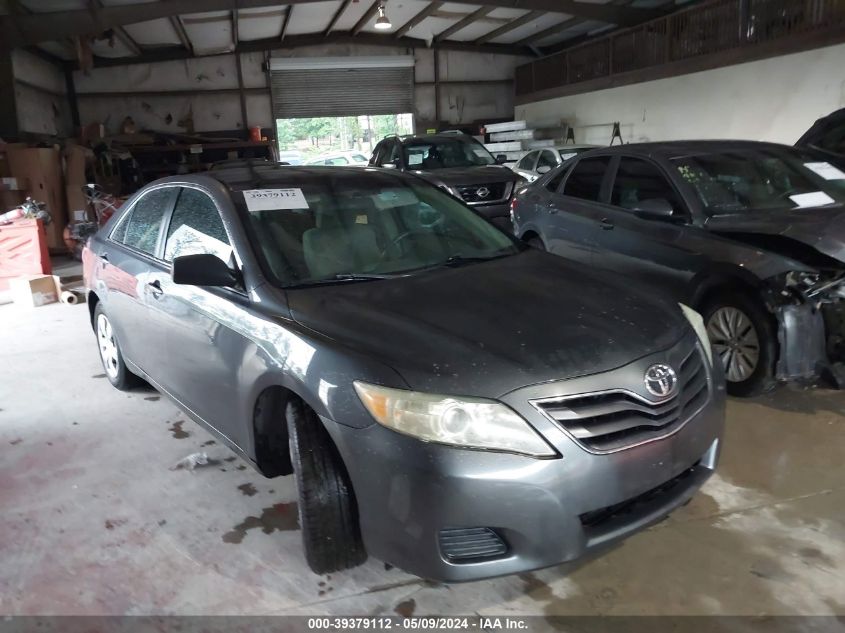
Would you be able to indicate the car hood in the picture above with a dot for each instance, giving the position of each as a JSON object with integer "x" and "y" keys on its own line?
{"x": 488, "y": 328}
{"x": 820, "y": 228}
{"x": 468, "y": 175}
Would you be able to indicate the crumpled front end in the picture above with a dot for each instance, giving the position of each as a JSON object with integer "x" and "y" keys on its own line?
{"x": 810, "y": 309}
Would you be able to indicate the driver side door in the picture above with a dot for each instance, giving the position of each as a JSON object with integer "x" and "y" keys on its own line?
{"x": 650, "y": 249}
{"x": 201, "y": 325}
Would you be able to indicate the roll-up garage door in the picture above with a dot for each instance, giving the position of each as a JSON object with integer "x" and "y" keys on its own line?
{"x": 342, "y": 86}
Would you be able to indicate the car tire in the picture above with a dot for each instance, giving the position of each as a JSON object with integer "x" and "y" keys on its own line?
{"x": 328, "y": 515}
{"x": 536, "y": 242}
{"x": 110, "y": 355}
{"x": 738, "y": 325}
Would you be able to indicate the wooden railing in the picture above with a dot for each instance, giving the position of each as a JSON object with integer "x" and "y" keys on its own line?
{"x": 706, "y": 29}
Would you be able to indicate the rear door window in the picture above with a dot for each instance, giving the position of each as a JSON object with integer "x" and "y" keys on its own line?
{"x": 196, "y": 228}
{"x": 586, "y": 178}
{"x": 141, "y": 230}
{"x": 638, "y": 180}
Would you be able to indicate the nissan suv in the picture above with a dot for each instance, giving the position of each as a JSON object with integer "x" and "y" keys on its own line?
{"x": 456, "y": 163}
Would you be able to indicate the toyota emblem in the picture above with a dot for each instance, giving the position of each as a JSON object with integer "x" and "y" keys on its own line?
{"x": 482, "y": 192}
{"x": 661, "y": 380}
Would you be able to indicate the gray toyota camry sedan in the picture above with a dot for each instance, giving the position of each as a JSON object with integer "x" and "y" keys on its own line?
{"x": 450, "y": 401}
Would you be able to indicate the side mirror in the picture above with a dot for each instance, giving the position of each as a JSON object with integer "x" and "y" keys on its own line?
{"x": 501, "y": 159}
{"x": 203, "y": 270}
{"x": 543, "y": 169}
{"x": 654, "y": 209}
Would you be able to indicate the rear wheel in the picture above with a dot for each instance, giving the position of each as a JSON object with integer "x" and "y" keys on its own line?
{"x": 327, "y": 510}
{"x": 114, "y": 366}
{"x": 744, "y": 337}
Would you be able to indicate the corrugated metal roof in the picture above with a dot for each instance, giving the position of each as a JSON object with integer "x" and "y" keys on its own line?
{"x": 212, "y": 32}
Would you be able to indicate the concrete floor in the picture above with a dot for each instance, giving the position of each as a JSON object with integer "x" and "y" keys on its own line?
{"x": 94, "y": 521}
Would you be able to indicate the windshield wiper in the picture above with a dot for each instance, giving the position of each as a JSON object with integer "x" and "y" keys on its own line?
{"x": 361, "y": 276}
{"x": 464, "y": 259}
{"x": 342, "y": 277}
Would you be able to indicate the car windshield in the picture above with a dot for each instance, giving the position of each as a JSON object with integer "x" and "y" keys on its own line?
{"x": 762, "y": 180}
{"x": 445, "y": 154}
{"x": 345, "y": 228}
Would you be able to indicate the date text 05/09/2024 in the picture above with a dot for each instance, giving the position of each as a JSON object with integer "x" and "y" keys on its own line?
{"x": 422, "y": 623}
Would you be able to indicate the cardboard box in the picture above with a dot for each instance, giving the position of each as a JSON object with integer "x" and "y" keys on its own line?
{"x": 33, "y": 291}
{"x": 14, "y": 184}
{"x": 11, "y": 200}
{"x": 4, "y": 161}
{"x": 42, "y": 168}
{"x": 77, "y": 204}
{"x": 77, "y": 158}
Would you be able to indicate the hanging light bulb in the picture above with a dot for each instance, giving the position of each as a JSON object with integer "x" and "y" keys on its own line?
{"x": 382, "y": 22}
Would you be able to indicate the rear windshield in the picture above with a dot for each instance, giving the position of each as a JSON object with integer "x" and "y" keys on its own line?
{"x": 761, "y": 180}
{"x": 340, "y": 226}
{"x": 446, "y": 154}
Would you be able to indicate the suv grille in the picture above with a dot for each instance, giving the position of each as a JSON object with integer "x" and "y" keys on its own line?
{"x": 495, "y": 192}
{"x": 611, "y": 420}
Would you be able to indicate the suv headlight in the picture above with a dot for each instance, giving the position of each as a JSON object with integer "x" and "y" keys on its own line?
{"x": 463, "y": 422}
{"x": 697, "y": 323}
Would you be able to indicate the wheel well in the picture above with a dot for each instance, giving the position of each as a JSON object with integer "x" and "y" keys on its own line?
{"x": 270, "y": 431}
{"x": 529, "y": 235}
{"x": 93, "y": 300}
{"x": 709, "y": 289}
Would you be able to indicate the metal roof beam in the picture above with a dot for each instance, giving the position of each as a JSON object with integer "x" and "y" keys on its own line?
{"x": 338, "y": 14}
{"x": 463, "y": 23}
{"x": 510, "y": 26}
{"x": 369, "y": 15}
{"x": 419, "y": 17}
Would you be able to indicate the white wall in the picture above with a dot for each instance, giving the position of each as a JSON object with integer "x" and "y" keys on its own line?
{"x": 210, "y": 112}
{"x": 459, "y": 103}
{"x": 775, "y": 99}
{"x": 40, "y": 95}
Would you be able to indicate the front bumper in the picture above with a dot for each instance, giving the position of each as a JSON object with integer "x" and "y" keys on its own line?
{"x": 547, "y": 511}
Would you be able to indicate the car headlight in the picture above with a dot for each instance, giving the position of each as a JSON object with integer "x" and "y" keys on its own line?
{"x": 463, "y": 422}
{"x": 697, "y": 323}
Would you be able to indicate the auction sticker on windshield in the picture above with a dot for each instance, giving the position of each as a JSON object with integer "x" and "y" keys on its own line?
{"x": 826, "y": 171}
{"x": 814, "y": 199}
{"x": 274, "y": 199}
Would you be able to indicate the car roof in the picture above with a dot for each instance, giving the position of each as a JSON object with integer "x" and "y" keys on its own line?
{"x": 435, "y": 138}
{"x": 259, "y": 177}
{"x": 679, "y": 149}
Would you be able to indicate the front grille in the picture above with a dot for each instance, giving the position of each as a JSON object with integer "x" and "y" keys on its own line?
{"x": 596, "y": 518}
{"x": 466, "y": 545}
{"x": 616, "y": 419}
{"x": 496, "y": 192}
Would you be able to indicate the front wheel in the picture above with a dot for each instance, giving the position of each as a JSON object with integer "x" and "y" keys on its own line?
{"x": 328, "y": 513}
{"x": 744, "y": 337}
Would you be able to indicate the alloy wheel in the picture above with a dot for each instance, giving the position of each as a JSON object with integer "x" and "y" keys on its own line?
{"x": 734, "y": 338}
{"x": 108, "y": 346}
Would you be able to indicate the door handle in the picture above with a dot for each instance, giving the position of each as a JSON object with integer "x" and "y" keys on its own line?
{"x": 155, "y": 288}
{"x": 551, "y": 207}
{"x": 104, "y": 259}
{"x": 606, "y": 224}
